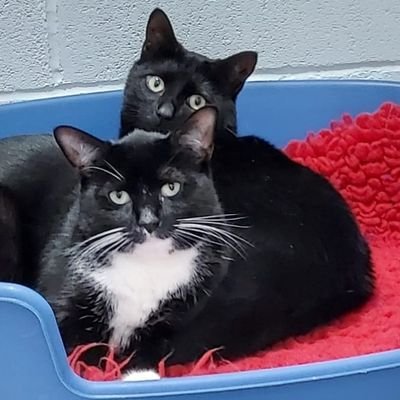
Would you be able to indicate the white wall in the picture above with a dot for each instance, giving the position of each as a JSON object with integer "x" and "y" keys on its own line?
{"x": 48, "y": 47}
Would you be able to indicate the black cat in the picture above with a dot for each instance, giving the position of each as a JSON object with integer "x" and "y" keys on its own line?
{"x": 136, "y": 249}
{"x": 168, "y": 82}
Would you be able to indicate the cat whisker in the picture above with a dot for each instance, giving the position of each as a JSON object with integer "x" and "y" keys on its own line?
{"x": 192, "y": 235}
{"x": 231, "y": 131}
{"x": 115, "y": 170}
{"x": 91, "y": 251}
{"x": 233, "y": 244}
{"x": 100, "y": 244}
{"x": 233, "y": 241}
{"x": 216, "y": 239}
{"x": 219, "y": 223}
{"x": 100, "y": 235}
{"x": 106, "y": 250}
{"x": 228, "y": 220}
{"x": 216, "y": 216}
{"x": 94, "y": 241}
{"x": 179, "y": 237}
{"x": 113, "y": 248}
{"x": 124, "y": 244}
{"x": 229, "y": 234}
{"x": 103, "y": 170}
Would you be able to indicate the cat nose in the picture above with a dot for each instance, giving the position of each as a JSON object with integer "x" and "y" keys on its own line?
{"x": 166, "y": 110}
{"x": 148, "y": 220}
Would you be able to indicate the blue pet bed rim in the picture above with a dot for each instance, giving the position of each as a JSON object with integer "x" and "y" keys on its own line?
{"x": 255, "y": 80}
{"x": 279, "y": 376}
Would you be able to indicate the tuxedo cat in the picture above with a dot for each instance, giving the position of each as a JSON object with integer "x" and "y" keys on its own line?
{"x": 299, "y": 224}
{"x": 136, "y": 248}
{"x": 168, "y": 82}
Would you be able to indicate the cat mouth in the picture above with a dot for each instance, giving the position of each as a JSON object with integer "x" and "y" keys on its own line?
{"x": 147, "y": 234}
{"x": 165, "y": 126}
{"x": 155, "y": 234}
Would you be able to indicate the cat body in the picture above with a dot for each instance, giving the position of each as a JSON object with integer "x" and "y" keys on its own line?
{"x": 111, "y": 298}
{"x": 35, "y": 196}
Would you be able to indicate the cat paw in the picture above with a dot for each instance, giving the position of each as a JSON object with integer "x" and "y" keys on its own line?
{"x": 140, "y": 375}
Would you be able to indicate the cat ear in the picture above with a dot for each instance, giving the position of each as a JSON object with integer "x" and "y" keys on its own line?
{"x": 80, "y": 148}
{"x": 235, "y": 69}
{"x": 160, "y": 37}
{"x": 197, "y": 134}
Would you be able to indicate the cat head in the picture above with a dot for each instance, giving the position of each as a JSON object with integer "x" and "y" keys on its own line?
{"x": 145, "y": 184}
{"x": 168, "y": 83}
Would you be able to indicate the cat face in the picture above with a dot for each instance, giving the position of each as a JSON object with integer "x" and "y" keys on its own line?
{"x": 168, "y": 83}
{"x": 145, "y": 184}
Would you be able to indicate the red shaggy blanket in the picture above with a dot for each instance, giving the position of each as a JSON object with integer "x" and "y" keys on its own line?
{"x": 361, "y": 157}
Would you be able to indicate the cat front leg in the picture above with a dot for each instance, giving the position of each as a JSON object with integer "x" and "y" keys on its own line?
{"x": 143, "y": 366}
{"x": 136, "y": 375}
{"x": 73, "y": 336}
{"x": 83, "y": 323}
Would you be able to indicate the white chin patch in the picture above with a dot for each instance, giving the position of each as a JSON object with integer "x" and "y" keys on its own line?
{"x": 141, "y": 375}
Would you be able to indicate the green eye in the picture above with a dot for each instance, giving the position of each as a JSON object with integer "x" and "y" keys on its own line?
{"x": 119, "y": 197}
{"x": 170, "y": 189}
{"x": 155, "y": 83}
{"x": 196, "y": 102}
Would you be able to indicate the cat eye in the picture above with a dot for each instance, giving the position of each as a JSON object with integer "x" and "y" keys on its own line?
{"x": 196, "y": 102}
{"x": 119, "y": 197}
{"x": 170, "y": 189}
{"x": 155, "y": 83}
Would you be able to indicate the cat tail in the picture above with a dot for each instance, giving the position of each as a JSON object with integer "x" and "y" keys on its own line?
{"x": 10, "y": 266}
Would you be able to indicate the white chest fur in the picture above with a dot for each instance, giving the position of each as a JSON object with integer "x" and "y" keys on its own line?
{"x": 137, "y": 283}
